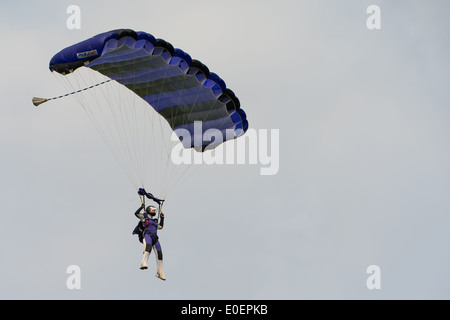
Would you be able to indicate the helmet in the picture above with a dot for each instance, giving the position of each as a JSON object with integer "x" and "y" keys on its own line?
{"x": 149, "y": 210}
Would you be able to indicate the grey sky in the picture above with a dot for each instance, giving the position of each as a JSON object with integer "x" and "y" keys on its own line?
{"x": 364, "y": 158}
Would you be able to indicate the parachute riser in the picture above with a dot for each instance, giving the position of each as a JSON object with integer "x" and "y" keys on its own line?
{"x": 143, "y": 194}
{"x": 160, "y": 208}
{"x": 142, "y": 198}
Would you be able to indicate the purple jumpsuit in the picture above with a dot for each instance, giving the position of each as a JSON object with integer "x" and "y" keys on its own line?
{"x": 147, "y": 229}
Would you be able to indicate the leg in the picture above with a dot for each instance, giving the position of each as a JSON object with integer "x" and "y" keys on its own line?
{"x": 159, "y": 261}
{"x": 147, "y": 242}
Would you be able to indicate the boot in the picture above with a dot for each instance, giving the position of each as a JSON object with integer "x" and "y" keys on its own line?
{"x": 159, "y": 266}
{"x": 159, "y": 270}
{"x": 144, "y": 263}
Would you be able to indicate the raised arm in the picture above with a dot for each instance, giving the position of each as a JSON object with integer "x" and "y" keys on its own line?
{"x": 138, "y": 213}
{"x": 161, "y": 220}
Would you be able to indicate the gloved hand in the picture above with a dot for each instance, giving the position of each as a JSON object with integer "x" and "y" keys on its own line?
{"x": 142, "y": 192}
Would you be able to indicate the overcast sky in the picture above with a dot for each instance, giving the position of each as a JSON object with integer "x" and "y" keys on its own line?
{"x": 364, "y": 167}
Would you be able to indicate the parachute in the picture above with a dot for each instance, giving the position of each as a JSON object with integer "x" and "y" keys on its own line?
{"x": 128, "y": 81}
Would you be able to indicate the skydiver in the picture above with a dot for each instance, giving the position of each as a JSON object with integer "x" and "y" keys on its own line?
{"x": 147, "y": 232}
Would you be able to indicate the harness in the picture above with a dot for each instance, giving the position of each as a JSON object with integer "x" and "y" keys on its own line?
{"x": 142, "y": 229}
